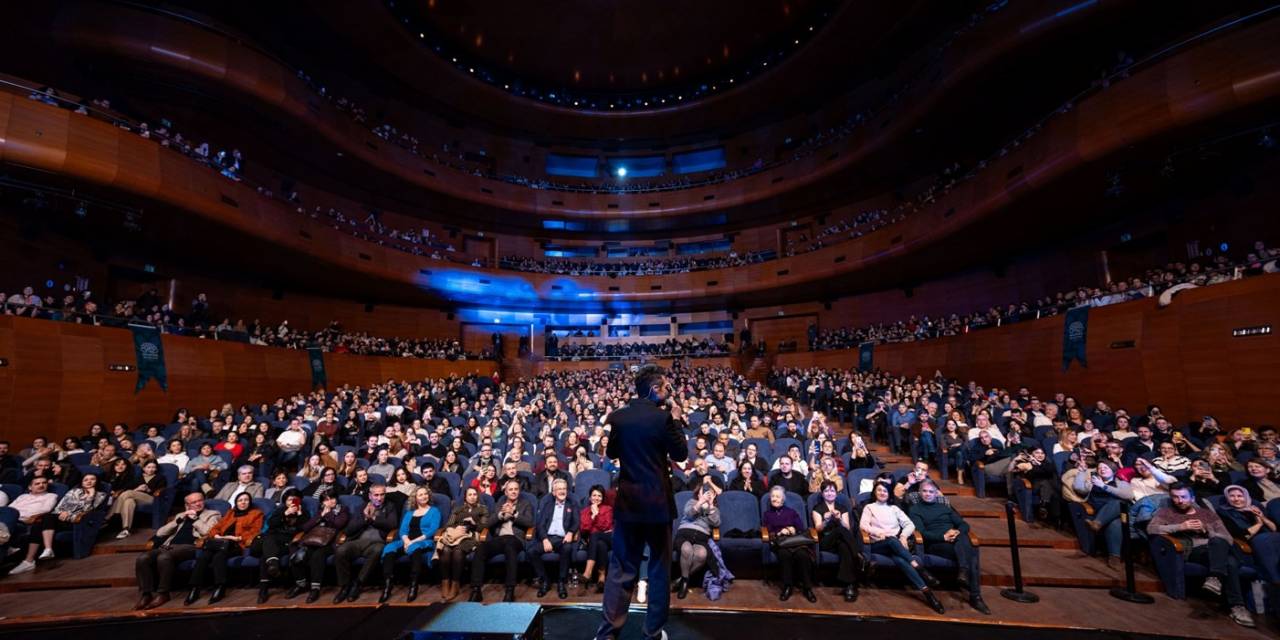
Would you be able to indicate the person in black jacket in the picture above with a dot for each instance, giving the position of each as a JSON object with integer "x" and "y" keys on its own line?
{"x": 506, "y": 526}
{"x": 1036, "y": 468}
{"x": 550, "y": 472}
{"x": 282, "y": 525}
{"x": 556, "y": 530}
{"x": 308, "y": 562}
{"x": 365, "y": 536}
{"x": 645, "y": 436}
{"x": 946, "y": 534}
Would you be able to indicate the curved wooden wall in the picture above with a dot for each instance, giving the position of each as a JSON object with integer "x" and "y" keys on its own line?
{"x": 1183, "y": 359}
{"x": 114, "y": 30}
{"x": 1224, "y": 75}
{"x": 56, "y": 382}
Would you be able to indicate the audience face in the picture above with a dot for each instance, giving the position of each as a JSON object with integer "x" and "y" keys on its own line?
{"x": 243, "y": 502}
{"x": 1182, "y": 499}
{"x": 777, "y": 499}
{"x": 1238, "y": 498}
{"x": 512, "y": 491}
{"x": 929, "y": 492}
{"x": 829, "y": 494}
{"x": 881, "y": 492}
{"x": 194, "y": 502}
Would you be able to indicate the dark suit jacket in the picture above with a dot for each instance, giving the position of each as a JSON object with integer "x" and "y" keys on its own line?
{"x": 543, "y": 480}
{"x": 523, "y": 517}
{"x": 546, "y": 510}
{"x": 642, "y": 436}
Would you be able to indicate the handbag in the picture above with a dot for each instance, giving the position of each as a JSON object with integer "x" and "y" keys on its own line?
{"x": 797, "y": 540}
{"x": 318, "y": 536}
{"x": 453, "y": 536}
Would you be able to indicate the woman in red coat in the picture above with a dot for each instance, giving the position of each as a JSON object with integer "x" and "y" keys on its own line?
{"x": 597, "y": 534}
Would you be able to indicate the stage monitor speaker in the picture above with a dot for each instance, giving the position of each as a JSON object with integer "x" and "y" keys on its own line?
{"x": 475, "y": 621}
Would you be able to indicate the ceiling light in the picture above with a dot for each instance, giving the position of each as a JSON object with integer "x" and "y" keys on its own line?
{"x": 622, "y": 172}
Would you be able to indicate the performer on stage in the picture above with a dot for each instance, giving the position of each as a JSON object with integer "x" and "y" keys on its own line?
{"x": 643, "y": 435}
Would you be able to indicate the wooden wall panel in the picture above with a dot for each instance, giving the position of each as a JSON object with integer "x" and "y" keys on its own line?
{"x": 57, "y": 382}
{"x": 1184, "y": 357}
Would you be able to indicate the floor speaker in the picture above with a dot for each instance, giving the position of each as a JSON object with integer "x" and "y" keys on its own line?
{"x": 475, "y": 621}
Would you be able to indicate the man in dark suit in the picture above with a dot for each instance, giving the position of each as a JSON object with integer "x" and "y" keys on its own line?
{"x": 555, "y": 531}
{"x": 643, "y": 435}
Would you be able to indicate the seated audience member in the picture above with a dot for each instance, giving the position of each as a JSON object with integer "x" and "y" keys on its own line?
{"x": 316, "y": 545}
{"x": 701, "y": 474}
{"x": 986, "y": 450}
{"x": 359, "y": 485}
{"x": 506, "y": 527}
{"x": 1038, "y": 470}
{"x": 1208, "y": 542}
{"x": 581, "y": 462}
{"x": 289, "y": 443}
{"x": 693, "y": 536}
{"x": 910, "y": 483}
{"x": 401, "y": 487}
{"x": 1246, "y": 521}
{"x": 283, "y": 524}
{"x": 555, "y": 531}
{"x": 450, "y": 463}
{"x": 790, "y": 542}
{"x": 461, "y": 536}
{"x": 1261, "y": 481}
{"x": 117, "y": 476}
{"x": 1171, "y": 462}
{"x": 835, "y": 534}
{"x": 719, "y": 459}
{"x": 511, "y": 471}
{"x": 382, "y": 466}
{"x": 433, "y": 481}
{"x": 173, "y": 544}
{"x": 151, "y": 485}
{"x": 1148, "y": 480}
{"x": 176, "y": 455}
{"x": 34, "y": 508}
{"x": 544, "y": 480}
{"x": 416, "y": 539}
{"x": 326, "y": 483}
{"x": 204, "y": 469}
{"x": 826, "y": 470}
{"x": 1206, "y": 482}
{"x": 946, "y": 534}
{"x": 486, "y": 481}
{"x": 244, "y": 483}
{"x": 798, "y": 463}
{"x": 233, "y": 533}
{"x": 261, "y": 454}
{"x": 597, "y": 536}
{"x": 366, "y": 534}
{"x": 1109, "y": 496}
{"x": 747, "y": 480}
{"x": 889, "y": 531}
{"x": 280, "y": 487}
{"x": 788, "y": 478}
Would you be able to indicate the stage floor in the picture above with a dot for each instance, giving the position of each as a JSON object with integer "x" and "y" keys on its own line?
{"x": 94, "y": 613}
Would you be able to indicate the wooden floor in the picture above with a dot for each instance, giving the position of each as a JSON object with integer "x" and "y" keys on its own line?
{"x": 1058, "y": 607}
{"x": 1072, "y": 587}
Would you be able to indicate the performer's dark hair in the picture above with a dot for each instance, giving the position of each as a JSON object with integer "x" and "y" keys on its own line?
{"x": 646, "y": 377}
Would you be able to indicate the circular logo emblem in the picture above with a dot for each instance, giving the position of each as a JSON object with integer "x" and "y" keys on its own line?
{"x": 1075, "y": 331}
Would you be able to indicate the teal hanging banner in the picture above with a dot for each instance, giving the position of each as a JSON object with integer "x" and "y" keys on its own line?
{"x": 150, "y": 355}
{"x": 1075, "y": 332}
{"x": 865, "y": 356}
{"x": 316, "y": 356}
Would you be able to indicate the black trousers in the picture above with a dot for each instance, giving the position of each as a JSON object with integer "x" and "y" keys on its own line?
{"x": 598, "y": 548}
{"x": 312, "y": 565}
{"x": 266, "y": 547}
{"x": 558, "y": 546}
{"x": 1223, "y": 564}
{"x": 965, "y": 556}
{"x": 369, "y": 548}
{"x": 155, "y": 568}
{"x": 417, "y": 564}
{"x": 218, "y": 559}
{"x": 793, "y": 560}
{"x": 508, "y": 546}
{"x": 848, "y": 547}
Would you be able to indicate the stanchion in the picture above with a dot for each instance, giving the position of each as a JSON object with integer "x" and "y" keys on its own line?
{"x": 1016, "y": 594}
{"x": 1130, "y": 591}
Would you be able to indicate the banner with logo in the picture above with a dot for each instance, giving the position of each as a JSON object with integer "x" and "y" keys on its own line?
{"x": 1075, "y": 331}
{"x": 149, "y": 352}
{"x": 865, "y": 356}
{"x": 315, "y": 355}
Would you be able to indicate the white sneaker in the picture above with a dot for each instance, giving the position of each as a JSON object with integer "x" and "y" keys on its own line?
{"x": 47, "y": 554}
{"x": 662, "y": 635}
{"x": 1213, "y": 585}
{"x": 124, "y": 533}
{"x": 26, "y": 566}
{"x": 1242, "y": 617}
{"x": 642, "y": 591}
